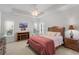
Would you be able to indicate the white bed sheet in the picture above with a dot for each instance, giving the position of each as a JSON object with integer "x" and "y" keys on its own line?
{"x": 58, "y": 40}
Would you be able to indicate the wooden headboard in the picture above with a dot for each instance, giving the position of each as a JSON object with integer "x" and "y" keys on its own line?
{"x": 57, "y": 29}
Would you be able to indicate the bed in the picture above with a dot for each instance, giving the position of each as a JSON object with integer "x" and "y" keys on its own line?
{"x": 46, "y": 45}
{"x": 58, "y": 36}
{"x": 42, "y": 45}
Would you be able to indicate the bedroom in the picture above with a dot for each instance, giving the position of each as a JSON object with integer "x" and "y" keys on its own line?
{"x": 35, "y": 19}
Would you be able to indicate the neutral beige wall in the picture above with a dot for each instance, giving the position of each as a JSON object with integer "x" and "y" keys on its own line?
{"x": 53, "y": 19}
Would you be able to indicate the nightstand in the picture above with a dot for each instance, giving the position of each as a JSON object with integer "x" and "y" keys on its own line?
{"x": 71, "y": 43}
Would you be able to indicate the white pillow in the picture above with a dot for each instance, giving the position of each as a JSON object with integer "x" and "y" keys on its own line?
{"x": 58, "y": 34}
{"x": 53, "y": 33}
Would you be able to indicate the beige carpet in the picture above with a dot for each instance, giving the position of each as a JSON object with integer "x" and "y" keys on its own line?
{"x": 20, "y": 48}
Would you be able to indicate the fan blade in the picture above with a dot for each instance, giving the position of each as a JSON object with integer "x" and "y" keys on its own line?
{"x": 18, "y": 11}
{"x": 41, "y": 13}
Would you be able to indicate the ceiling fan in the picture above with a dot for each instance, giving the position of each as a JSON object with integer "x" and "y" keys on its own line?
{"x": 35, "y": 12}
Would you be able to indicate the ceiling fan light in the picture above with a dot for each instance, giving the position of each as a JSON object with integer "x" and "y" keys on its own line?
{"x": 35, "y": 13}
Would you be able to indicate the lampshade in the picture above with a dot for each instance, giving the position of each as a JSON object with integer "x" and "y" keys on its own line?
{"x": 72, "y": 27}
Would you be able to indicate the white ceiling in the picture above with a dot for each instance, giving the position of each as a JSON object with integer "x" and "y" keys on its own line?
{"x": 26, "y": 8}
{"x": 23, "y": 7}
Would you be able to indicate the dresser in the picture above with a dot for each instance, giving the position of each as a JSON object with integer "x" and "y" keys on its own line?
{"x": 71, "y": 43}
{"x": 22, "y": 36}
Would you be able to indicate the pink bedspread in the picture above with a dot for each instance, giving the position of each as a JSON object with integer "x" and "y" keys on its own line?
{"x": 42, "y": 45}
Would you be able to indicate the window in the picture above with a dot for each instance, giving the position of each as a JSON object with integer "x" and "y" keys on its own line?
{"x": 41, "y": 28}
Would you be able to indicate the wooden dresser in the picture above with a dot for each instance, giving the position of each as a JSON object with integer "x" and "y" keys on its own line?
{"x": 22, "y": 36}
{"x": 71, "y": 43}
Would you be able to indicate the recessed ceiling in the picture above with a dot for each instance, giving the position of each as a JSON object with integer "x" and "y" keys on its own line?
{"x": 26, "y": 8}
